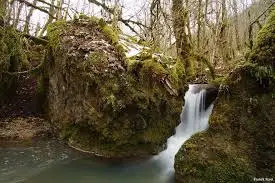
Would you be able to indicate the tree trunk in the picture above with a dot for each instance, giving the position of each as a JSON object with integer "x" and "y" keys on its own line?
{"x": 154, "y": 22}
{"x": 67, "y": 10}
{"x": 28, "y": 18}
{"x": 223, "y": 44}
{"x": 3, "y": 6}
{"x": 50, "y": 19}
{"x": 9, "y": 11}
{"x": 199, "y": 13}
{"x": 236, "y": 27}
{"x": 59, "y": 12}
{"x": 180, "y": 17}
{"x": 16, "y": 21}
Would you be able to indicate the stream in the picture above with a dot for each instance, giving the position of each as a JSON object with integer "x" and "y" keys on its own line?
{"x": 53, "y": 162}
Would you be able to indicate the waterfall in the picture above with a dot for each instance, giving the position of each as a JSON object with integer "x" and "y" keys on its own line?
{"x": 194, "y": 118}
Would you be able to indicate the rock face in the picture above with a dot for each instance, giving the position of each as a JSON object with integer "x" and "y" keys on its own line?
{"x": 100, "y": 101}
{"x": 211, "y": 93}
{"x": 239, "y": 144}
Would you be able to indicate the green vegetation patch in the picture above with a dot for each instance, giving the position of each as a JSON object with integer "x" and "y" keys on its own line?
{"x": 55, "y": 30}
{"x": 264, "y": 48}
{"x": 12, "y": 58}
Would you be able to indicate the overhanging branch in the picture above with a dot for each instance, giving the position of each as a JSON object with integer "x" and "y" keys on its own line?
{"x": 36, "y": 7}
{"x": 36, "y": 40}
{"x": 49, "y": 4}
{"x": 126, "y": 22}
{"x": 256, "y": 20}
{"x": 31, "y": 71}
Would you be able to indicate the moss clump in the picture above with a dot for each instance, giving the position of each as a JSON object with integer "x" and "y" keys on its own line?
{"x": 55, "y": 30}
{"x": 120, "y": 51}
{"x": 178, "y": 74}
{"x": 264, "y": 48}
{"x": 110, "y": 33}
{"x": 152, "y": 70}
{"x": 11, "y": 47}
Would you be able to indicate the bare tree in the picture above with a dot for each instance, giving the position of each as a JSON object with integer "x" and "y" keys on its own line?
{"x": 236, "y": 25}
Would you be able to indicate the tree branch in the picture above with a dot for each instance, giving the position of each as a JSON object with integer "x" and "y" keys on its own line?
{"x": 124, "y": 21}
{"x": 133, "y": 22}
{"x": 31, "y": 71}
{"x": 49, "y": 4}
{"x": 255, "y": 21}
{"x": 106, "y": 8}
{"x": 36, "y": 7}
{"x": 36, "y": 40}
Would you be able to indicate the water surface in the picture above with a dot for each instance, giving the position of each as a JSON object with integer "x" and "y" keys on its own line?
{"x": 53, "y": 162}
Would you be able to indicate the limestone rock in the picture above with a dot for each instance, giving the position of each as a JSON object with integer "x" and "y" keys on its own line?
{"x": 105, "y": 102}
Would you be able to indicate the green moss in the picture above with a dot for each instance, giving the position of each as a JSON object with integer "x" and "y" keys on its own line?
{"x": 218, "y": 80}
{"x": 98, "y": 59}
{"x": 55, "y": 30}
{"x": 110, "y": 109}
{"x": 83, "y": 16}
{"x": 178, "y": 74}
{"x": 120, "y": 51}
{"x": 133, "y": 39}
{"x": 11, "y": 46}
{"x": 153, "y": 69}
{"x": 264, "y": 48}
{"x": 12, "y": 58}
{"x": 102, "y": 22}
{"x": 212, "y": 159}
{"x": 110, "y": 33}
{"x": 129, "y": 110}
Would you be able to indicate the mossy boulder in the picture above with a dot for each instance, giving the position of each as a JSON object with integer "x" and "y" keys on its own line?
{"x": 239, "y": 144}
{"x": 103, "y": 103}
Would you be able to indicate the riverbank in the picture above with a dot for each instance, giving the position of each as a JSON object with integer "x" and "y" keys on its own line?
{"x": 24, "y": 129}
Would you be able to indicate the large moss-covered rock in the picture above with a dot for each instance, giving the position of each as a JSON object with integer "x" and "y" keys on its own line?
{"x": 103, "y": 102}
{"x": 239, "y": 144}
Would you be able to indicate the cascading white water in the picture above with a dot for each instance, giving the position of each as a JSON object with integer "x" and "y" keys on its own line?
{"x": 194, "y": 118}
